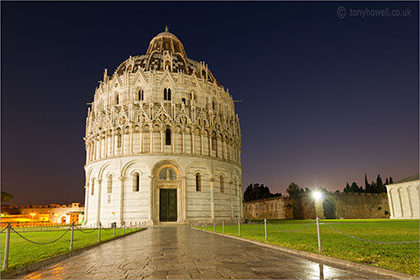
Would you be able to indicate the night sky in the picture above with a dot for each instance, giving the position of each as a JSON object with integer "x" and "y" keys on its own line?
{"x": 325, "y": 99}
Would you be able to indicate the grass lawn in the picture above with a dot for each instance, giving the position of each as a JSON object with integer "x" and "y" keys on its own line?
{"x": 22, "y": 252}
{"x": 402, "y": 258}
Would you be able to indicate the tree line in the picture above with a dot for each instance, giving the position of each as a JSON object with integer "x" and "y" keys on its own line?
{"x": 257, "y": 191}
{"x": 373, "y": 187}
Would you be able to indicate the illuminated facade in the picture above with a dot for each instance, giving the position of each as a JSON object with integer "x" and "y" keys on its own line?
{"x": 403, "y": 198}
{"x": 163, "y": 142}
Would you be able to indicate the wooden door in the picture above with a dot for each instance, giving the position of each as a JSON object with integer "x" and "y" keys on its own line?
{"x": 168, "y": 205}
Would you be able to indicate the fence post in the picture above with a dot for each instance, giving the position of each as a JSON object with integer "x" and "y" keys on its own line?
{"x": 239, "y": 227}
{"x": 265, "y": 230}
{"x": 99, "y": 233}
{"x": 71, "y": 238}
{"x": 6, "y": 248}
{"x": 223, "y": 226}
{"x": 319, "y": 235}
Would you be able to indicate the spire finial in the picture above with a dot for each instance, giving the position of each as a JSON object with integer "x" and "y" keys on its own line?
{"x": 166, "y": 28}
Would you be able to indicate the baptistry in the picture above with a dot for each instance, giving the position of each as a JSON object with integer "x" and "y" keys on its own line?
{"x": 163, "y": 143}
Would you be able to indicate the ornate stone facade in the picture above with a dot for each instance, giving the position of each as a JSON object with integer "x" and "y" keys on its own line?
{"x": 163, "y": 143}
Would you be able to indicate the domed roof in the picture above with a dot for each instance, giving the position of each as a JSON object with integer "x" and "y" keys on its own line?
{"x": 166, "y": 41}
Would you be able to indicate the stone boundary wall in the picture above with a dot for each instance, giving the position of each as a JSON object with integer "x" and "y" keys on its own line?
{"x": 334, "y": 205}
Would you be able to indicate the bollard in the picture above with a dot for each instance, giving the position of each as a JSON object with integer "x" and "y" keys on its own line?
{"x": 99, "y": 233}
{"x": 71, "y": 237}
{"x": 6, "y": 248}
{"x": 319, "y": 235}
{"x": 223, "y": 226}
{"x": 113, "y": 229}
{"x": 265, "y": 230}
{"x": 214, "y": 225}
{"x": 239, "y": 227}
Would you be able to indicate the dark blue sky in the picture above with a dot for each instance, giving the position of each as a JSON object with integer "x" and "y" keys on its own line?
{"x": 325, "y": 99}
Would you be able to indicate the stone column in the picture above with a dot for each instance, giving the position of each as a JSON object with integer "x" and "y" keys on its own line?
{"x": 173, "y": 139}
{"x": 183, "y": 141}
{"x": 151, "y": 199}
{"x": 131, "y": 140}
{"x": 184, "y": 198}
{"x": 141, "y": 140}
{"x": 151, "y": 140}
{"x": 121, "y": 199}
{"x": 86, "y": 204}
{"x": 161, "y": 141}
{"x": 409, "y": 200}
{"x": 98, "y": 213}
{"x": 212, "y": 197}
{"x": 210, "y": 140}
{"x": 202, "y": 143}
{"x": 113, "y": 135}
{"x": 192, "y": 141}
{"x": 241, "y": 212}
{"x": 400, "y": 200}
{"x": 231, "y": 201}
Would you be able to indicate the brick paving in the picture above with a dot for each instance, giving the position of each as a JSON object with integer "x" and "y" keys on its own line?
{"x": 184, "y": 253}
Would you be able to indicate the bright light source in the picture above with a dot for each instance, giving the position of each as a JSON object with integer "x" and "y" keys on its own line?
{"x": 317, "y": 195}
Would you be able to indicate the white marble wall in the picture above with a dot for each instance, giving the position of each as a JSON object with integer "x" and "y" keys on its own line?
{"x": 404, "y": 200}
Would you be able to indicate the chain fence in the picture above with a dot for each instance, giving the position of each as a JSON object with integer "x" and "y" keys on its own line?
{"x": 71, "y": 228}
{"x": 315, "y": 222}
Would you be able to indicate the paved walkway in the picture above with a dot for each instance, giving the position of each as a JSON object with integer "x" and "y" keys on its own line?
{"x": 184, "y": 253}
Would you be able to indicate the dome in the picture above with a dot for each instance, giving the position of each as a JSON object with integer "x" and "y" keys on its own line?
{"x": 166, "y": 42}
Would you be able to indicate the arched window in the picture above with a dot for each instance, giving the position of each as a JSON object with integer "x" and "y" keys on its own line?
{"x": 167, "y": 94}
{"x": 117, "y": 99}
{"x": 140, "y": 95}
{"x": 214, "y": 105}
{"x": 136, "y": 182}
{"x": 92, "y": 185}
{"x": 167, "y": 174}
{"x": 213, "y": 142}
{"x": 222, "y": 184}
{"x": 198, "y": 182}
{"x": 119, "y": 141}
{"x": 168, "y": 136}
{"x": 110, "y": 183}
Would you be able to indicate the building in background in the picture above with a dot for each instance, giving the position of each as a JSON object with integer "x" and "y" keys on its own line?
{"x": 35, "y": 215}
{"x": 163, "y": 142}
{"x": 403, "y": 197}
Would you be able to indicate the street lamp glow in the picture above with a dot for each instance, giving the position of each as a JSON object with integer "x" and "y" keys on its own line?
{"x": 317, "y": 195}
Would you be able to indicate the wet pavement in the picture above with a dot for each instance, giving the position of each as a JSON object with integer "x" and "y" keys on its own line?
{"x": 184, "y": 253}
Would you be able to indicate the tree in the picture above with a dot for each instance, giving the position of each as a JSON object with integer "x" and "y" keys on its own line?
{"x": 391, "y": 181}
{"x": 367, "y": 186}
{"x": 380, "y": 187}
{"x": 386, "y": 181}
{"x": 347, "y": 188}
{"x": 6, "y": 197}
{"x": 293, "y": 190}
{"x": 256, "y": 191}
{"x": 355, "y": 188}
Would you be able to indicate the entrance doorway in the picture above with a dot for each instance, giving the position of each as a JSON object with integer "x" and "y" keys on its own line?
{"x": 168, "y": 205}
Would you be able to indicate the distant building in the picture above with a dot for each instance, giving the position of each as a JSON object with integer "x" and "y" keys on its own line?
{"x": 163, "y": 142}
{"x": 403, "y": 197}
{"x": 42, "y": 214}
